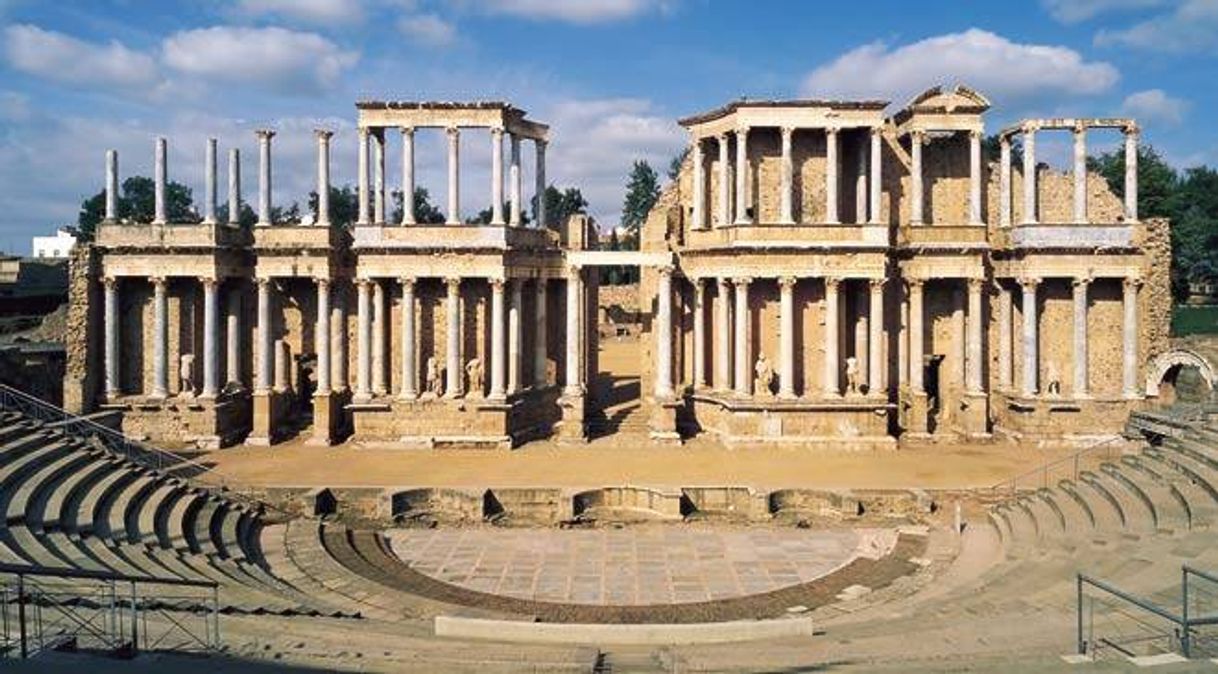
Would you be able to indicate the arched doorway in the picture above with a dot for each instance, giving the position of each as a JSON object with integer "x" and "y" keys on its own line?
{"x": 1180, "y": 376}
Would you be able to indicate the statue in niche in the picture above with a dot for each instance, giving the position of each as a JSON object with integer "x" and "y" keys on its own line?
{"x": 1053, "y": 379}
{"x": 435, "y": 385}
{"x": 186, "y": 374}
{"x": 763, "y": 383}
{"x": 852, "y": 376}
{"x": 476, "y": 377}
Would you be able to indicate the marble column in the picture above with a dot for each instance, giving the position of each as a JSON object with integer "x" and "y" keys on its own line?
{"x": 973, "y": 363}
{"x": 725, "y": 195}
{"x": 574, "y": 289}
{"x": 699, "y": 332}
{"x": 1029, "y": 175}
{"x": 1129, "y": 378}
{"x": 786, "y": 357}
{"x": 787, "y": 188}
{"x": 832, "y": 172}
{"x": 1131, "y": 173}
{"x": 363, "y": 372}
{"x": 408, "y": 216}
{"x": 409, "y": 388}
{"x": 452, "y": 354}
{"x": 498, "y": 359}
{"x": 663, "y": 383}
{"x": 159, "y": 177}
{"x": 540, "y": 171}
{"x": 378, "y": 176}
{"x": 232, "y": 338}
{"x": 234, "y": 187}
{"x": 323, "y": 178}
{"x": 1080, "y": 174}
{"x": 111, "y": 185}
{"x": 540, "y": 336}
{"x": 742, "y": 175}
{"x": 1031, "y": 361}
{"x": 903, "y": 337}
{"x": 917, "y": 352}
{"x": 515, "y": 336}
{"x": 875, "y": 340}
{"x": 112, "y": 338}
{"x": 378, "y": 338}
{"x": 454, "y": 175}
{"x": 974, "y": 177}
{"x": 209, "y": 183}
{"x": 860, "y": 184}
{"x": 1004, "y": 182}
{"x": 362, "y": 170}
{"x": 160, "y": 338}
{"x": 877, "y": 175}
{"x": 514, "y": 180}
{"x": 338, "y": 340}
{"x": 832, "y": 338}
{"x": 322, "y": 338}
{"x": 917, "y": 196}
{"x": 722, "y": 336}
{"x": 497, "y": 175}
{"x": 744, "y": 383}
{"x": 699, "y": 185}
{"x": 264, "y": 176}
{"x": 211, "y": 338}
{"x": 262, "y": 377}
{"x": 1005, "y": 348}
{"x": 1080, "y": 336}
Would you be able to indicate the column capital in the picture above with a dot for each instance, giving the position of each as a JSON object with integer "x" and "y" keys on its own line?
{"x": 787, "y": 130}
{"x": 540, "y": 143}
{"x": 1004, "y": 142}
{"x": 209, "y": 281}
{"x": 363, "y": 132}
{"x": 453, "y": 283}
{"x": 1132, "y": 282}
{"x": 742, "y": 280}
{"x": 833, "y": 282}
{"x": 1028, "y": 282}
{"x": 787, "y": 282}
{"x": 742, "y": 130}
{"x": 877, "y": 283}
{"x": 407, "y": 282}
{"x": 722, "y": 138}
{"x": 110, "y": 282}
{"x": 452, "y": 131}
{"x": 264, "y": 134}
{"x": 917, "y": 136}
{"x": 915, "y": 283}
{"x": 877, "y": 131}
{"x": 975, "y": 134}
{"x": 497, "y": 283}
{"x": 832, "y": 130}
{"x": 497, "y": 132}
{"x": 975, "y": 284}
{"x": 1081, "y": 280}
{"x": 158, "y": 280}
{"x": 1029, "y": 127}
{"x": 1131, "y": 129}
{"x": 1079, "y": 128}
{"x": 665, "y": 269}
{"x": 407, "y": 131}
{"x": 264, "y": 281}
{"x": 322, "y": 282}
{"x": 323, "y": 134}
{"x": 722, "y": 282}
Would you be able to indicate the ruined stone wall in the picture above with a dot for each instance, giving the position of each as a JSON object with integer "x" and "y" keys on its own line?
{"x": 1155, "y": 301}
{"x": 82, "y": 337}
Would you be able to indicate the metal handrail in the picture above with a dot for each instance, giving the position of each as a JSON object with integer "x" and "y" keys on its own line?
{"x": 90, "y": 574}
{"x": 1011, "y": 484}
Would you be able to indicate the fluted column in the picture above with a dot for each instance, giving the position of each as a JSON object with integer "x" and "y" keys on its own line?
{"x": 454, "y": 175}
{"x": 877, "y": 174}
{"x": 111, "y": 337}
{"x": 408, "y": 216}
{"x": 973, "y": 364}
{"x": 209, "y": 183}
{"x": 362, "y": 171}
{"x": 744, "y": 383}
{"x": 378, "y": 338}
{"x": 515, "y": 314}
{"x": 663, "y": 383}
{"x": 497, "y": 351}
{"x": 974, "y": 177}
{"x": 111, "y": 185}
{"x": 1029, "y": 174}
{"x": 232, "y": 338}
{"x": 262, "y": 377}
{"x": 497, "y": 175}
{"x": 1080, "y": 174}
{"x": 410, "y": 371}
{"x": 574, "y": 289}
{"x": 378, "y": 176}
{"x": 514, "y": 180}
{"x": 160, "y": 339}
{"x": 788, "y": 178}
{"x": 786, "y": 378}
{"x": 264, "y": 176}
{"x": 540, "y": 171}
{"x": 323, "y": 178}
{"x": 1131, "y": 173}
{"x": 363, "y": 372}
{"x": 699, "y": 185}
{"x": 322, "y": 337}
{"x": 832, "y": 173}
{"x": 916, "y": 353}
{"x": 211, "y": 338}
{"x": 699, "y": 332}
{"x": 1005, "y": 347}
{"x": 1130, "y": 328}
{"x": 916, "y": 215}
{"x": 722, "y": 337}
{"x": 833, "y": 338}
{"x": 725, "y": 199}
{"x": 1031, "y": 360}
{"x": 875, "y": 340}
{"x": 540, "y": 336}
{"x": 159, "y": 177}
{"x": 742, "y": 175}
{"x": 452, "y": 354}
{"x": 1004, "y": 182}
{"x": 1080, "y": 336}
{"x": 234, "y": 187}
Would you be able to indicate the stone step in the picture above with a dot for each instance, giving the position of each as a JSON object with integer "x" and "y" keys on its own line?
{"x": 1200, "y": 504}
{"x": 1167, "y": 508}
{"x": 1137, "y": 515}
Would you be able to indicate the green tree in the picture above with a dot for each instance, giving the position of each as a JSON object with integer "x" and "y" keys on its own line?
{"x": 344, "y": 205}
{"x": 561, "y": 205}
{"x": 246, "y": 216}
{"x": 1156, "y": 180}
{"x": 991, "y": 150}
{"x": 137, "y": 201}
{"x": 642, "y": 191}
{"x": 424, "y": 212}
{"x": 674, "y": 164}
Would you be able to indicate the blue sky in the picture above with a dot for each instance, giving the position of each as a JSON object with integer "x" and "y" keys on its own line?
{"x": 610, "y": 76}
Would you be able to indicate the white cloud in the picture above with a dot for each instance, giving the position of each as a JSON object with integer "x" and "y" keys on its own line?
{"x": 14, "y": 106}
{"x": 1009, "y": 72}
{"x": 320, "y": 12}
{"x": 428, "y": 29}
{"x": 1191, "y": 27}
{"x": 570, "y": 11}
{"x": 63, "y": 58}
{"x": 1074, "y": 11}
{"x": 280, "y": 59}
{"x": 1154, "y": 105}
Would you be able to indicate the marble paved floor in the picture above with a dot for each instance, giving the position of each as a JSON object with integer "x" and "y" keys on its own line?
{"x": 634, "y": 565}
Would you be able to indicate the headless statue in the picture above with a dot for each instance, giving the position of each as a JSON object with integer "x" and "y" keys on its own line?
{"x": 763, "y": 383}
{"x": 473, "y": 371}
{"x": 852, "y": 376}
{"x": 435, "y": 385}
{"x": 186, "y": 374}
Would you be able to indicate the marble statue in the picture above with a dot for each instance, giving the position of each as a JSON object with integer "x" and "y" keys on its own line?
{"x": 763, "y": 384}
{"x": 435, "y": 383}
{"x": 852, "y": 376}
{"x": 476, "y": 376}
{"x": 186, "y": 373}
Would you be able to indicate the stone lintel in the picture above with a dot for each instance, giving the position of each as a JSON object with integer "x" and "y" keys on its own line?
{"x": 798, "y": 264}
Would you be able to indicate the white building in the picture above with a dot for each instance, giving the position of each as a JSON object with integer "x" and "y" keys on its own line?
{"x": 56, "y": 246}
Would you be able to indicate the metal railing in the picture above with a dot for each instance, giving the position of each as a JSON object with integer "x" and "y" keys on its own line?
{"x": 45, "y": 609}
{"x": 1065, "y": 468}
{"x": 1183, "y": 632}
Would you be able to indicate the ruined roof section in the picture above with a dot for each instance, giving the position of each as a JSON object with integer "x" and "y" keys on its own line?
{"x": 483, "y": 114}
{"x": 436, "y": 105}
{"x": 797, "y": 103}
{"x": 940, "y": 101}
{"x": 1126, "y": 124}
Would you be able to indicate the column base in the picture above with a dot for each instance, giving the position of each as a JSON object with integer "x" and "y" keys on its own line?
{"x": 572, "y": 429}
{"x": 326, "y": 411}
{"x": 263, "y": 421}
{"x": 915, "y": 412}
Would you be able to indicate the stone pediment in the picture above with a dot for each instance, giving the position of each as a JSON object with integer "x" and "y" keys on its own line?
{"x": 956, "y": 99}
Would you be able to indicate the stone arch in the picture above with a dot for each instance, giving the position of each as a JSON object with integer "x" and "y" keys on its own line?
{"x": 1164, "y": 363}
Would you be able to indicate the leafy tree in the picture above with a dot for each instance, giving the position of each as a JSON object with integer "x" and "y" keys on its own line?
{"x": 246, "y": 217}
{"x": 561, "y": 205}
{"x": 674, "y": 165}
{"x": 1156, "y": 180}
{"x": 991, "y": 150}
{"x": 642, "y": 191}
{"x": 137, "y": 201}
{"x": 424, "y": 212}
{"x": 344, "y": 205}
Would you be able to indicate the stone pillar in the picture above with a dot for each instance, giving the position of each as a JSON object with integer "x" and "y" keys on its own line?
{"x": 159, "y": 176}
{"x": 211, "y": 338}
{"x": 378, "y": 339}
{"x": 232, "y": 338}
{"x": 875, "y": 340}
{"x": 209, "y": 183}
{"x": 514, "y": 178}
{"x": 408, "y": 217}
{"x": 574, "y": 289}
{"x": 410, "y": 372}
{"x": 262, "y": 377}
{"x": 515, "y": 314}
{"x": 1131, "y": 173}
{"x": 1031, "y": 361}
{"x": 497, "y": 175}
{"x": 111, "y": 185}
{"x": 787, "y": 189}
{"x": 1005, "y": 350}
{"x": 742, "y": 175}
{"x": 786, "y": 377}
{"x": 974, "y": 364}
{"x": 833, "y": 337}
{"x": 916, "y": 139}
{"x": 1080, "y": 336}
{"x": 322, "y": 338}
{"x": 1080, "y": 174}
{"x": 540, "y": 171}
{"x": 282, "y": 356}
{"x": 540, "y": 336}
{"x": 744, "y": 383}
{"x": 338, "y": 340}
{"x": 363, "y": 372}
{"x": 112, "y": 338}
{"x": 1029, "y": 174}
{"x": 1004, "y": 182}
{"x": 974, "y": 177}
{"x": 378, "y": 176}
{"x": 498, "y": 359}
{"x": 699, "y": 332}
{"x": 860, "y": 184}
{"x": 832, "y": 172}
{"x": 1129, "y": 351}
{"x": 903, "y": 337}
{"x": 663, "y": 384}
{"x": 264, "y": 176}
{"x": 699, "y": 185}
{"x": 323, "y": 182}
{"x": 916, "y": 350}
{"x": 234, "y": 187}
{"x": 454, "y": 175}
{"x": 452, "y": 355}
{"x": 160, "y": 338}
{"x": 722, "y": 337}
{"x": 725, "y": 195}
{"x": 877, "y": 175}
{"x": 362, "y": 171}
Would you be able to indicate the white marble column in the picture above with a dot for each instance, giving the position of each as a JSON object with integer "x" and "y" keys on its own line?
{"x": 1005, "y": 347}
{"x": 540, "y": 174}
{"x": 338, "y": 339}
{"x": 362, "y": 171}
{"x": 973, "y": 363}
{"x": 903, "y": 336}
{"x": 498, "y": 358}
{"x": 744, "y": 382}
{"x": 786, "y": 190}
{"x": 1031, "y": 360}
{"x": 497, "y": 175}
{"x": 832, "y": 173}
{"x": 363, "y": 372}
{"x": 1080, "y": 174}
{"x": 454, "y": 175}
{"x": 974, "y": 177}
{"x": 724, "y": 205}
{"x": 264, "y": 176}
{"x": 378, "y": 176}
{"x": 540, "y": 336}
{"x": 574, "y": 289}
{"x": 409, "y": 388}
{"x": 515, "y": 180}
{"x": 917, "y": 351}
{"x": 1130, "y": 328}
{"x": 862, "y": 153}
{"x": 322, "y": 337}
{"x": 786, "y": 377}
{"x": 323, "y": 177}
{"x": 877, "y": 175}
{"x": 722, "y": 336}
{"x": 232, "y": 337}
{"x": 832, "y": 338}
{"x": 262, "y": 378}
{"x": 159, "y": 177}
{"x": 699, "y": 185}
{"x": 209, "y": 183}
{"x": 112, "y": 338}
{"x": 699, "y": 332}
{"x": 742, "y": 175}
{"x": 160, "y": 338}
{"x": 916, "y": 191}
{"x": 452, "y": 355}
{"x": 1029, "y": 175}
{"x": 515, "y": 336}
{"x": 663, "y": 383}
{"x": 111, "y": 185}
{"x": 378, "y": 338}
{"x": 408, "y": 216}
{"x": 1080, "y": 337}
{"x": 211, "y": 338}
{"x": 234, "y": 187}
{"x": 1004, "y": 182}
{"x": 1131, "y": 173}
{"x": 875, "y": 340}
